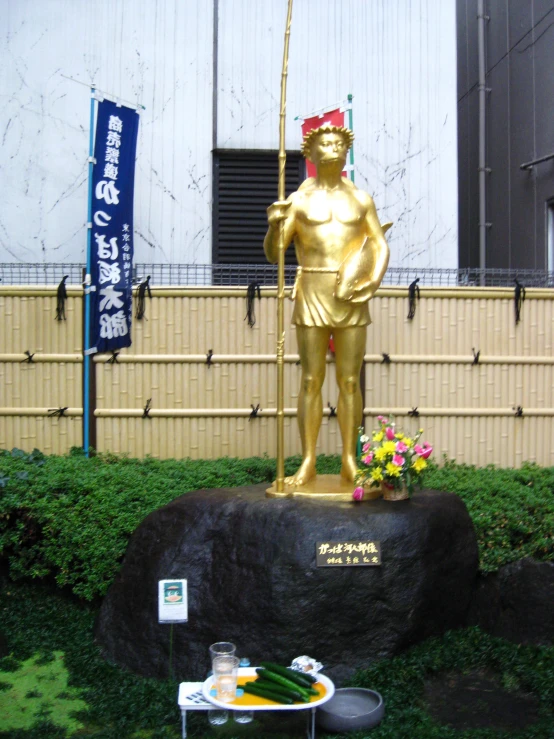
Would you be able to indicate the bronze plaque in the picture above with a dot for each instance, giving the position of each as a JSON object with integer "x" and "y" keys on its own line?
{"x": 348, "y": 553}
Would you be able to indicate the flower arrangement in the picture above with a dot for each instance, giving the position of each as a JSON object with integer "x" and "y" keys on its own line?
{"x": 391, "y": 458}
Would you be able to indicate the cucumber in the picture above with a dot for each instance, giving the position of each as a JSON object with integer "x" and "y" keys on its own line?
{"x": 302, "y": 678}
{"x": 294, "y": 694}
{"x": 262, "y": 693}
{"x": 274, "y": 677}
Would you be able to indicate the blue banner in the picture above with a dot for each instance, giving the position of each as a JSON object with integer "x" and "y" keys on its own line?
{"x": 113, "y": 179}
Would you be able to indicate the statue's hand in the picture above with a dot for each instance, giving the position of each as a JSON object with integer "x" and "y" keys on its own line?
{"x": 277, "y": 211}
{"x": 365, "y": 293}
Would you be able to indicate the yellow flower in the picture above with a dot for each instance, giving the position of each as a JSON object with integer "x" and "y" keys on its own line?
{"x": 399, "y": 436}
{"x": 389, "y": 447}
{"x": 378, "y": 436}
{"x": 377, "y": 474}
{"x": 419, "y": 464}
{"x": 409, "y": 442}
{"x": 393, "y": 470}
{"x": 380, "y": 454}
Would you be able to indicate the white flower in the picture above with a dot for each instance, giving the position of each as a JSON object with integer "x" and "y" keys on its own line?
{"x": 364, "y": 439}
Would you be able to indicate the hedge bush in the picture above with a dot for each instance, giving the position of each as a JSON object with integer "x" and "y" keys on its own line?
{"x": 70, "y": 517}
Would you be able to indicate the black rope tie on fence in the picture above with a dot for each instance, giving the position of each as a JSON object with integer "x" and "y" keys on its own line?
{"x": 413, "y": 297}
{"x": 29, "y": 359}
{"x": 332, "y": 410}
{"x": 414, "y": 413}
{"x": 144, "y": 288}
{"x": 209, "y": 356}
{"x": 52, "y": 412}
{"x": 146, "y": 410}
{"x": 518, "y": 412}
{"x": 113, "y": 359}
{"x": 476, "y": 355}
{"x": 61, "y": 297}
{"x": 254, "y": 413}
{"x": 252, "y": 290}
{"x": 386, "y": 358}
{"x": 519, "y": 297}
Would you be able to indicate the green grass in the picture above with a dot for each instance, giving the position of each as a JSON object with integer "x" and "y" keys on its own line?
{"x": 114, "y": 704}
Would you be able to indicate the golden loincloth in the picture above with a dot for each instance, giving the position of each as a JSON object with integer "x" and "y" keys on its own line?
{"x": 316, "y": 305}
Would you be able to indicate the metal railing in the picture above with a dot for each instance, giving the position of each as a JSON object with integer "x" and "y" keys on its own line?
{"x": 221, "y": 275}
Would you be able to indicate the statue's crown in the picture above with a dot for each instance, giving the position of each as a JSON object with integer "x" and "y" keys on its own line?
{"x": 326, "y": 128}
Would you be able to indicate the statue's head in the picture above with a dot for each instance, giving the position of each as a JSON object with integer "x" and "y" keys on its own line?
{"x": 318, "y": 143}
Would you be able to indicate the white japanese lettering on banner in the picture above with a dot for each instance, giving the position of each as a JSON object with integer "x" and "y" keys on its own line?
{"x": 113, "y": 325}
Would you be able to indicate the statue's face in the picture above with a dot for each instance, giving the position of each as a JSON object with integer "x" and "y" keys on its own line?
{"x": 327, "y": 148}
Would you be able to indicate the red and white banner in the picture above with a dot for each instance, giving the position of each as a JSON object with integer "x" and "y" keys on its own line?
{"x": 333, "y": 117}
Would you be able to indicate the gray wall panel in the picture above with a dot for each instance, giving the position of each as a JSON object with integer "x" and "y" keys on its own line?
{"x": 520, "y": 18}
{"x": 497, "y": 34}
{"x": 498, "y": 185}
{"x": 522, "y": 207}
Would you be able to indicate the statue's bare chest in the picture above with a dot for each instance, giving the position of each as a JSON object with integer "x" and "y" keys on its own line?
{"x": 322, "y": 207}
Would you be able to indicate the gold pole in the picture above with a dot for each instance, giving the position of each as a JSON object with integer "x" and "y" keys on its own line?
{"x": 280, "y": 481}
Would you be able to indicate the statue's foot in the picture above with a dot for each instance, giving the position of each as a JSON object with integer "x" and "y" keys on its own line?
{"x": 349, "y": 469}
{"x": 303, "y": 474}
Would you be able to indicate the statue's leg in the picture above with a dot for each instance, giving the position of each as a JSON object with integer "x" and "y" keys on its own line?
{"x": 349, "y": 355}
{"x": 313, "y": 342}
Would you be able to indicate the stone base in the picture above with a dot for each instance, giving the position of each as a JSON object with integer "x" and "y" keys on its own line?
{"x": 252, "y": 578}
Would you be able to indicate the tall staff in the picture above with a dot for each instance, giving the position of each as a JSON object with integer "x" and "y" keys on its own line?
{"x": 280, "y": 481}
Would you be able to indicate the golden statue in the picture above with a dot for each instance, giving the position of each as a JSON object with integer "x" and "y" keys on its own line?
{"x": 343, "y": 255}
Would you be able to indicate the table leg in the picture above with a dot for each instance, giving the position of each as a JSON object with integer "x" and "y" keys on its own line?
{"x": 311, "y": 724}
{"x": 184, "y": 719}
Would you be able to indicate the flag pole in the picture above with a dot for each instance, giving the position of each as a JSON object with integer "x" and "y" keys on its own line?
{"x": 87, "y": 359}
{"x": 280, "y": 480}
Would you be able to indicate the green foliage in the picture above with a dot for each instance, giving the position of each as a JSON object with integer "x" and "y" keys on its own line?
{"x": 113, "y": 703}
{"x": 401, "y": 681}
{"x": 120, "y": 705}
{"x": 512, "y": 509}
{"x": 70, "y": 518}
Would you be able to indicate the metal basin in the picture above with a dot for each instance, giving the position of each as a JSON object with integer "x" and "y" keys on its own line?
{"x": 351, "y": 709}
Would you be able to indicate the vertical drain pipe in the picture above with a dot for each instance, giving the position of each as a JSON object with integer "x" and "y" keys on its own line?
{"x": 481, "y": 19}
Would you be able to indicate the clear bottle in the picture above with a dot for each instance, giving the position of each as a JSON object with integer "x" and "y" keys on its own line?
{"x": 243, "y": 717}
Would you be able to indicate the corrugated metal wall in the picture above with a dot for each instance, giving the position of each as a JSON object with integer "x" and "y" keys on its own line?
{"x": 520, "y": 108}
{"x": 201, "y": 409}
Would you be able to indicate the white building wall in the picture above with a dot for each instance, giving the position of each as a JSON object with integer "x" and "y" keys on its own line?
{"x": 157, "y": 52}
{"x": 398, "y": 59}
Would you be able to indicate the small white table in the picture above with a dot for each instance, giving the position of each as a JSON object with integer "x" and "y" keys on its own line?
{"x": 207, "y": 685}
{"x": 191, "y": 699}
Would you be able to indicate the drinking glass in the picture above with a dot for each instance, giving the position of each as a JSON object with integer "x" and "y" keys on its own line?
{"x": 225, "y": 676}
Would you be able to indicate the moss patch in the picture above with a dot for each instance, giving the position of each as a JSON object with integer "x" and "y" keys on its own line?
{"x": 38, "y": 691}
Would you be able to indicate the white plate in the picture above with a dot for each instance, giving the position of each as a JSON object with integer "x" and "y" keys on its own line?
{"x": 251, "y": 672}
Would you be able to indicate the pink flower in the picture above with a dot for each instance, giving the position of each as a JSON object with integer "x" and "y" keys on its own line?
{"x": 365, "y": 447}
{"x": 398, "y": 460}
{"x": 426, "y": 452}
{"x": 358, "y": 494}
{"x": 401, "y": 447}
{"x": 368, "y": 459}
{"x": 382, "y": 419}
{"x": 389, "y": 433}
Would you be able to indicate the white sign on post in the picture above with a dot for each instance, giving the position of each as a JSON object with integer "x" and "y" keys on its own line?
{"x": 172, "y": 601}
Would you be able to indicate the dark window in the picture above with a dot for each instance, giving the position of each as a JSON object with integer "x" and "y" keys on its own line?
{"x": 245, "y": 183}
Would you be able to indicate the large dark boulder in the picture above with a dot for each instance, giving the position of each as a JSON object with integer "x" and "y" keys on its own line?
{"x": 252, "y": 578}
{"x": 516, "y": 603}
